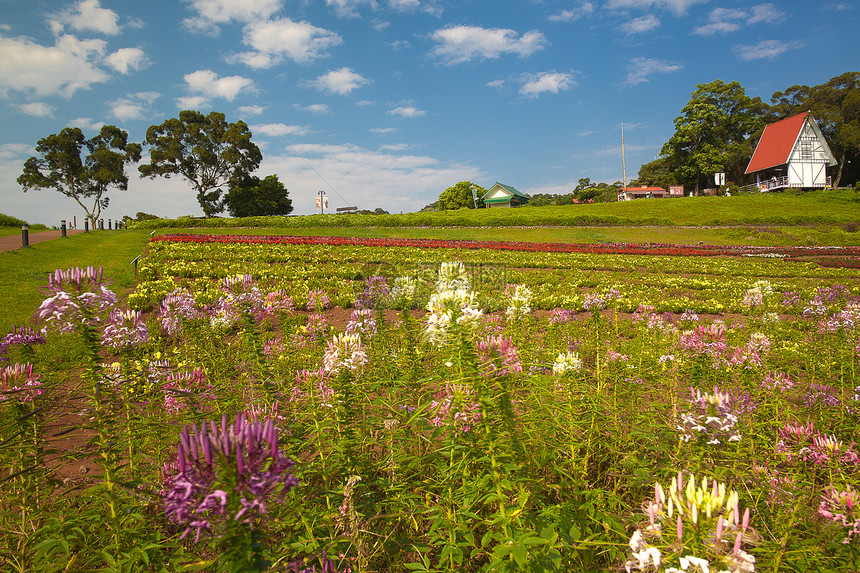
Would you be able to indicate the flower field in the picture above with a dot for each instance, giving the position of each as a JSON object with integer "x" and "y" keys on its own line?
{"x": 330, "y": 404}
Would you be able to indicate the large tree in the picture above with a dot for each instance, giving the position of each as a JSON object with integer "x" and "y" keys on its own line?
{"x": 460, "y": 195}
{"x": 60, "y": 166}
{"x": 713, "y": 133}
{"x": 204, "y": 149}
{"x": 835, "y": 105}
{"x": 255, "y": 197}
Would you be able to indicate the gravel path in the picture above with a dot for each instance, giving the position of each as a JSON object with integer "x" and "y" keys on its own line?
{"x": 13, "y": 242}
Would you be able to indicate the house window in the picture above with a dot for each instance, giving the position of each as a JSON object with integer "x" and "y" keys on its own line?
{"x": 806, "y": 150}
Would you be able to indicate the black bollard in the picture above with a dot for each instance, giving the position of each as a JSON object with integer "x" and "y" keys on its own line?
{"x": 109, "y": 223}
{"x": 25, "y": 236}
{"x": 63, "y": 227}
{"x": 86, "y": 225}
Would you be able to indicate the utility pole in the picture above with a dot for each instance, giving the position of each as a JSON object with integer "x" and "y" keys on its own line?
{"x": 623, "y": 160}
{"x": 322, "y": 201}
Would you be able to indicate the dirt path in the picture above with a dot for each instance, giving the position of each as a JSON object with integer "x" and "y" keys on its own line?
{"x": 13, "y": 242}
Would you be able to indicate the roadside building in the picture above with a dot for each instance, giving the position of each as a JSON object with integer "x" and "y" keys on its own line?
{"x": 792, "y": 152}
{"x": 501, "y": 195}
{"x": 630, "y": 193}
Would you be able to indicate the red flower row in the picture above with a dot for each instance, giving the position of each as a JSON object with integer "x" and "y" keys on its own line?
{"x": 601, "y": 248}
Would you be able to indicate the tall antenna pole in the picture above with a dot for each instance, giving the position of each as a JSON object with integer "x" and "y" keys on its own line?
{"x": 623, "y": 159}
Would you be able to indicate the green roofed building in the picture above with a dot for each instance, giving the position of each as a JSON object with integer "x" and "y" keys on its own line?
{"x": 504, "y": 196}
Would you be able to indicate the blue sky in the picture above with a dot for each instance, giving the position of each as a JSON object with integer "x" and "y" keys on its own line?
{"x": 385, "y": 103}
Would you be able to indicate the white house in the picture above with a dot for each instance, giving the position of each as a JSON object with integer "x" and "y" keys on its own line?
{"x": 504, "y": 196}
{"x": 792, "y": 152}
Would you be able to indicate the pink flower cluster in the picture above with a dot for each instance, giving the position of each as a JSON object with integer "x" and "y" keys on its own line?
{"x": 843, "y": 508}
{"x": 455, "y": 405}
{"x": 802, "y": 442}
{"x": 498, "y": 356}
{"x": 186, "y": 388}
{"x": 125, "y": 329}
{"x": 17, "y": 382}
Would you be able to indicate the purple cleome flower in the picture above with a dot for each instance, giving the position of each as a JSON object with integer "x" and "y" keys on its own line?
{"x": 225, "y": 474}
{"x": 498, "y": 356}
{"x": 77, "y": 296}
{"x": 125, "y": 329}
{"x": 843, "y": 508}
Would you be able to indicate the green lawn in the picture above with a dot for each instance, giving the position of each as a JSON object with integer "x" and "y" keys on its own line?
{"x": 23, "y": 271}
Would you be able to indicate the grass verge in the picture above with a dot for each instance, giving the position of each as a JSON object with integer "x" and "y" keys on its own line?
{"x": 23, "y": 271}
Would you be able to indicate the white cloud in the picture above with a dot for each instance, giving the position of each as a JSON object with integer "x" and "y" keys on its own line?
{"x": 278, "y": 129}
{"x": 36, "y": 109}
{"x": 640, "y": 69}
{"x": 274, "y": 40}
{"x": 766, "y": 49}
{"x": 206, "y": 83}
{"x": 134, "y": 106}
{"x": 580, "y": 11}
{"x": 313, "y": 108}
{"x": 643, "y": 24}
{"x": 341, "y": 81}
{"x": 252, "y": 110}
{"x": 68, "y": 66}
{"x": 126, "y": 60}
{"x": 349, "y": 8}
{"x": 87, "y": 124}
{"x": 383, "y": 130}
{"x": 679, "y": 7}
{"x": 498, "y": 84}
{"x": 353, "y": 175}
{"x": 459, "y": 44}
{"x": 88, "y": 16}
{"x": 726, "y": 20}
{"x": 404, "y": 5}
{"x": 14, "y": 151}
{"x": 406, "y": 112}
{"x": 547, "y": 82}
{"x": 766, "y": 13}
{"x": 210, "y": 13}
{"x": 193, "y": 102}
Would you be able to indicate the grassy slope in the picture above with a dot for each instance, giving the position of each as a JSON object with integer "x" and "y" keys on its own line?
{"x": 23, "y": 271}
{"x": 815, "y": 208}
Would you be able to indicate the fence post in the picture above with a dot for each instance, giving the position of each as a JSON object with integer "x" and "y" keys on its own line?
{"x": 25, "y": 236}
{"x": 63, "y": 228}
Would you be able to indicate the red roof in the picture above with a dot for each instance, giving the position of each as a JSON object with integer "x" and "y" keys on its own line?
{"x": 777, "y": 141}
{"x": 644, "y": 189}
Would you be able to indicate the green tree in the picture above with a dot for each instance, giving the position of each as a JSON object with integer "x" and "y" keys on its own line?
{"x": 714, "y": 133}
{"x": 460, "y": 195}
{"x": 204, "y": 149}
{"x": 60, "y": 166}
{"x": 253, "y": 197}
{"x": 656, "y": 173}
{"x": 835, "y": 105}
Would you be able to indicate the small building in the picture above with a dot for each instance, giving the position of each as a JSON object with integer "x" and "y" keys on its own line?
{"x": 630, "y": 193}
{"x": 792, "y": 152}
{"x": 501, "y": 195}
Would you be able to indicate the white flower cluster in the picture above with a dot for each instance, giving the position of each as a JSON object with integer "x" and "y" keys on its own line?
{"x": 453, "y": 303}
{"x": 711, "y": 417}
{"x": 755, "y": 296}
{"x": 344, "y": 351}
{"x": 451, "y": 307}
{"x": 519, "y": 303}
{"x": 701, "y": 519}
{"x": 566, "y": 362}
{"x": 453, "y": 276}
{"x": 403, "y": 291}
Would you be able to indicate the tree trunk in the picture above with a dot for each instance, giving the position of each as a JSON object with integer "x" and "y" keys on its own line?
{"x": 835, "y": 184}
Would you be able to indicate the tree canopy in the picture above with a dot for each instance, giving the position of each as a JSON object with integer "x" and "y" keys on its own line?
{"x": 204, "y": 149}
{"x": 86, "y": 179}
{"x": 460, "y": 195}
{"x": 714, "y": 133}
{"x": 719, "y": 127}
{"x": 253, "y": 197}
